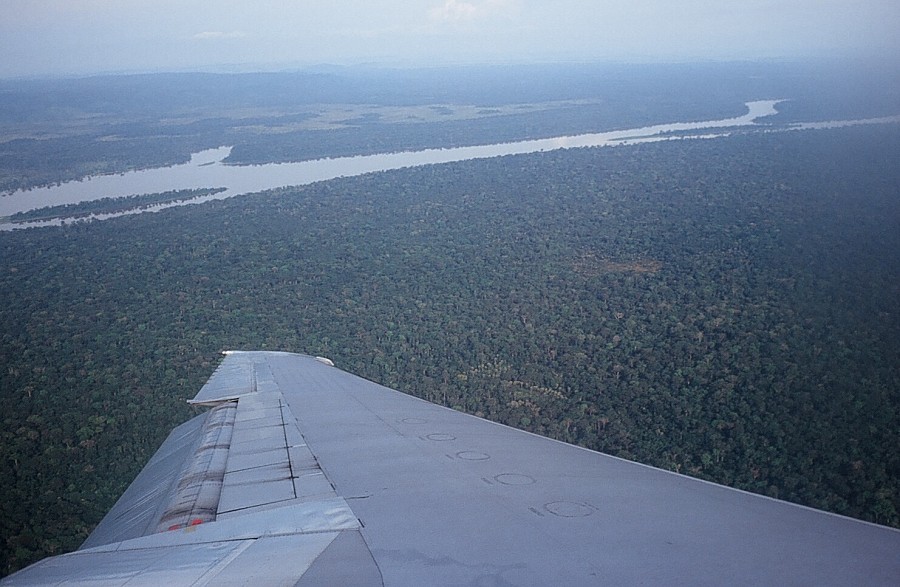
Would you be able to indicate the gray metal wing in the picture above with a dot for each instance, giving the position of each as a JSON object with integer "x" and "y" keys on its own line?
{"x": 303, "y": 474}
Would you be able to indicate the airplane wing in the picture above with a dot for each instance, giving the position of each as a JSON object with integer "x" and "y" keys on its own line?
{"x": 303, "y": 474}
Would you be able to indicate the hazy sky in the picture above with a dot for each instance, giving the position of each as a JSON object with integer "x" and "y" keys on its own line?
{"x": 39, "y": 37}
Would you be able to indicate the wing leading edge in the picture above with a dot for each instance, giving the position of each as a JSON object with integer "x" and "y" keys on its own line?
{"x": 301, "y": 473}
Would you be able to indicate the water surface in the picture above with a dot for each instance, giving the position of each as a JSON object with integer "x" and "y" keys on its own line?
{"x": 207, "y": 170}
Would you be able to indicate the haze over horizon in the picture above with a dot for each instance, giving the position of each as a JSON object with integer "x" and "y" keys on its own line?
{"x": 83, "y": 37}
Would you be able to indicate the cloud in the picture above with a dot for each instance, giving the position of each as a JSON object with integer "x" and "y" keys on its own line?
{"x": 216, "y": 35}
{"x": 461, "y": 10}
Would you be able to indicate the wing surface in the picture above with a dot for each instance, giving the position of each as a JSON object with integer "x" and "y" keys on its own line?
{"x": 301, "y": 473}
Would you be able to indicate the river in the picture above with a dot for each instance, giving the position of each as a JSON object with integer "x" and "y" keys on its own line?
{"x": 207, "y": 170}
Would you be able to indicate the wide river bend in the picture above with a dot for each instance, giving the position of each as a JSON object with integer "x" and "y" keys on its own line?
{"x": 207, "y": 170}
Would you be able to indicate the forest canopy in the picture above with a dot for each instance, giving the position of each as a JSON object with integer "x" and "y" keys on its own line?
{"x": 727, "y": 309}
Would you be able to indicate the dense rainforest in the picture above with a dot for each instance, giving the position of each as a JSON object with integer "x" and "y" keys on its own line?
{"x": 727, "y": 308}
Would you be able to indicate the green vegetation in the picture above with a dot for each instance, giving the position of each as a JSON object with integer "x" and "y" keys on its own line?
{"x": 727, "y": 309}
{"x": 111, "y": 205}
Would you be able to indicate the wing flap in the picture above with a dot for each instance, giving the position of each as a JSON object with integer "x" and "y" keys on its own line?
{"x": 233, "y": 493}
{"x": 140, "y": 508}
